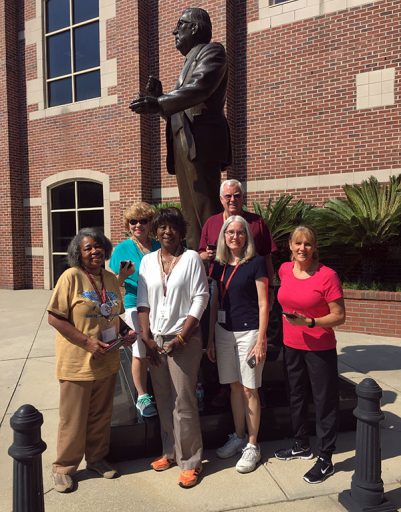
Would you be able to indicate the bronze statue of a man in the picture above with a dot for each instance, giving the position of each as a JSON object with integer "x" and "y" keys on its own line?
{"x": 197, "y": 132}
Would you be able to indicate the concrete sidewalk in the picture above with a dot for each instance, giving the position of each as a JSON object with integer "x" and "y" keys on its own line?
{"x": 27, "y": 376}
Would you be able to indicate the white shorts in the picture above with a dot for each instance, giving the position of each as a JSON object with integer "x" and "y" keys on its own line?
{"x": 131, "y": 319}
{"x": 232, "y": 349}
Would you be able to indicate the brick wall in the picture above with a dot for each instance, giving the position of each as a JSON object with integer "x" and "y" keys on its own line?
{"x": 372, "y": 312}
{"x": 300, "y": 90}
{"x": 290, "y": 105}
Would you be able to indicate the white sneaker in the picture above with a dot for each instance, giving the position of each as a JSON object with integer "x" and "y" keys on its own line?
{"x": 249, "y": 460}
{"x": 234, "y": 445}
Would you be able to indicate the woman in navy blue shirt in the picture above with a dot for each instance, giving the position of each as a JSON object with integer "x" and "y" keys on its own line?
{"x": 237, "y": 335}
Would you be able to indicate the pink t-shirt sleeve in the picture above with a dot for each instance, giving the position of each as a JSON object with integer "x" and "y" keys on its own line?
{"x": 332, "y": 289}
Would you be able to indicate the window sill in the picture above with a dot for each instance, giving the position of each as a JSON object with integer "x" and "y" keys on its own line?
{"x": 79, "y": 106}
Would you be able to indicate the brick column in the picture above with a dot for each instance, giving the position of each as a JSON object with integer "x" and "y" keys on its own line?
{"x": 11, "y": 205}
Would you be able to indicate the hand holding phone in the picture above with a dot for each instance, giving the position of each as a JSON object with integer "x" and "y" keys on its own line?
{"x": 124, "y": 263}
{"x": 289, "y": 315}
{"x": 251, "y": 362}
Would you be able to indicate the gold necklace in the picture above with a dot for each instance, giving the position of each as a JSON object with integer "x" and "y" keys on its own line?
{"x": 163, "y": 274}
{"x": 142, "y": 249}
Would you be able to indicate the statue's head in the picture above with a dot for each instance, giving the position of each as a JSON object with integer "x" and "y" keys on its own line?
{"x": 193, "y": 27}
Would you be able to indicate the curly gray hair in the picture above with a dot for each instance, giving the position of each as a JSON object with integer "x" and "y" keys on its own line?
{"x": 74, "y": 248}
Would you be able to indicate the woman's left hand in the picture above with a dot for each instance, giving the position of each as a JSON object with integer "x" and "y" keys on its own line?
{"x": 130, "y": 338}
{"x": 298, "y": 320}
{"x": 174, "y": 344}
{"x": 259, "y": 350}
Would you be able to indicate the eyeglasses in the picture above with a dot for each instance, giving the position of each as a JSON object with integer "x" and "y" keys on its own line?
{"x": 181, "y": 22}
{"x": 142, "y": 222}
{"x": 232, "y": 234}
{"x": 237, "y": 195}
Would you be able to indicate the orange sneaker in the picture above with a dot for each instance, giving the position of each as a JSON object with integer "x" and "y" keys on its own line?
{"x": 161, "y": 463}
{"x": 189, "y": 477}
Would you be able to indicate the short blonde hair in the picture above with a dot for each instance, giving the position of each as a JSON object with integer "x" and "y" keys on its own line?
{"x": 223, "y": 252}
{"x": 139, "y": 210}
{"x": 309, "y": 233}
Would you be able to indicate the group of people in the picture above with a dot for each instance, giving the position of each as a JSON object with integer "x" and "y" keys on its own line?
{"x": 167, "y": 288}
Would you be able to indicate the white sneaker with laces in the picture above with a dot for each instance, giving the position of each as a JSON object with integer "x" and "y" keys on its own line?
{"x": 234, "y": 445}
{"x": 249, "y": 460}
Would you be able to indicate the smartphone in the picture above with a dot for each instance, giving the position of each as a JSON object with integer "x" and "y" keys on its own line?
{"x": 289, "y": 315}
{"x": 124, "y": 262}
{"x": 251, "y": 362}
{"x": 211, "y": 247}
{"x": 115, "y": 345}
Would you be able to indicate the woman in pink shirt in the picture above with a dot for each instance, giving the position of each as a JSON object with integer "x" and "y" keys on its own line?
{"x": 312, "y": 300}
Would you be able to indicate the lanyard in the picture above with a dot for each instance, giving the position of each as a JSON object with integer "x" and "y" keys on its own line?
{"x": 105, "y": 309}
{"x": 224, "y": 287}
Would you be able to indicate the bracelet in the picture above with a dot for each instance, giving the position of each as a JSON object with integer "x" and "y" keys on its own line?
{"x": 180, "y": 339}
{"x": 313, "y": 323}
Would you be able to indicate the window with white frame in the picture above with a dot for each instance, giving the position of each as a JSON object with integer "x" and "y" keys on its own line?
{"x": 72, "y": 51}
{"x": 276, "y": 2}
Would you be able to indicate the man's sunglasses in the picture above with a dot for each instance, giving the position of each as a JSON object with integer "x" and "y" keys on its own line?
{"x": 142, "y": 222}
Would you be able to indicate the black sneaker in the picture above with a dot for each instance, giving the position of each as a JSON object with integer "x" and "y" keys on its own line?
{"x": 321, "y": 470}
{"x": 296, "y": 452}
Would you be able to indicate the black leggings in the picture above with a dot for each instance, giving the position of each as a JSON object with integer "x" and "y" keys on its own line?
{"x": 320, "y": 368}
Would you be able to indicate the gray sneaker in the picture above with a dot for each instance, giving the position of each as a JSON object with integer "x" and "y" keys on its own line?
{"x": 249, "y": 460}
{"x": 234, "y": 445}
{"x": 146, "y": 406}
{"x": 103, "y": 468}
{"x": 62, "y": 482}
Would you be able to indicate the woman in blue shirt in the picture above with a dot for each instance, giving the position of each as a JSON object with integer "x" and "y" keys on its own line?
{"x": 125, "y": 261}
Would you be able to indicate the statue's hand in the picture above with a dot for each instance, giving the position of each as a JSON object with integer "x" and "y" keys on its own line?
{"x": 145, "y": 105}
{"x": 154, "y": 87}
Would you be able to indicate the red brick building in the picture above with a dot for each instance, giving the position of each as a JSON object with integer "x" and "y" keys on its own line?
{"x": 313, "y": 103}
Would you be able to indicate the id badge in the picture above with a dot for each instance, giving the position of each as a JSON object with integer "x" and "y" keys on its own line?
{"x": 221, "y": 316}
{"x": 163, "y": 310}
{"x": 109, "y": 334}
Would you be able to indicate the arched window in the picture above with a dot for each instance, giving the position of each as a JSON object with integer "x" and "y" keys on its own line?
{"x": 73, "y": 205}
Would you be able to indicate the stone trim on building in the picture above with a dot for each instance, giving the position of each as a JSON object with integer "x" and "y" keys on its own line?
{"x": 55, "y": 180}
{"x": 295, "y": 182}
{"x": 271, "y": 16}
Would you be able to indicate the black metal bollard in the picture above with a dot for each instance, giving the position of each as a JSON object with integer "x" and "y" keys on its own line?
{"x": 367, "y": 491}
{"x": 26, "y": 451}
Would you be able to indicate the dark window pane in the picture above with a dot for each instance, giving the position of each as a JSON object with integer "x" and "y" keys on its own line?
{"x": 86, "y": 47}
{"x": 63, "y": 197}
{"x": 59, "y": 265}
{"x": 60, "y": 92}
{"x": 90, "y": 194}
{"x": 64, "y": 229}
{"x": 57, "y": 14}
{"x": 87, "y": 85}
{"x": 58, "y": 55}
{"x": 85, "y": 10}
{"x": 91, "y": 219}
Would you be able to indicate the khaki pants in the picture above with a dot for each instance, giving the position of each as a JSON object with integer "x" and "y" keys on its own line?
{"x": 84, "y": 428}
{"x": 174, "y": 384}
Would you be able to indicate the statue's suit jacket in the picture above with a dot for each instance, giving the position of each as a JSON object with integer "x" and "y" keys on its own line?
{"x": 196, "y": 105}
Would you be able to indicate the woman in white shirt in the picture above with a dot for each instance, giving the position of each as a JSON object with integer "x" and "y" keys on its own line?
{"x": 172, "y": 296}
